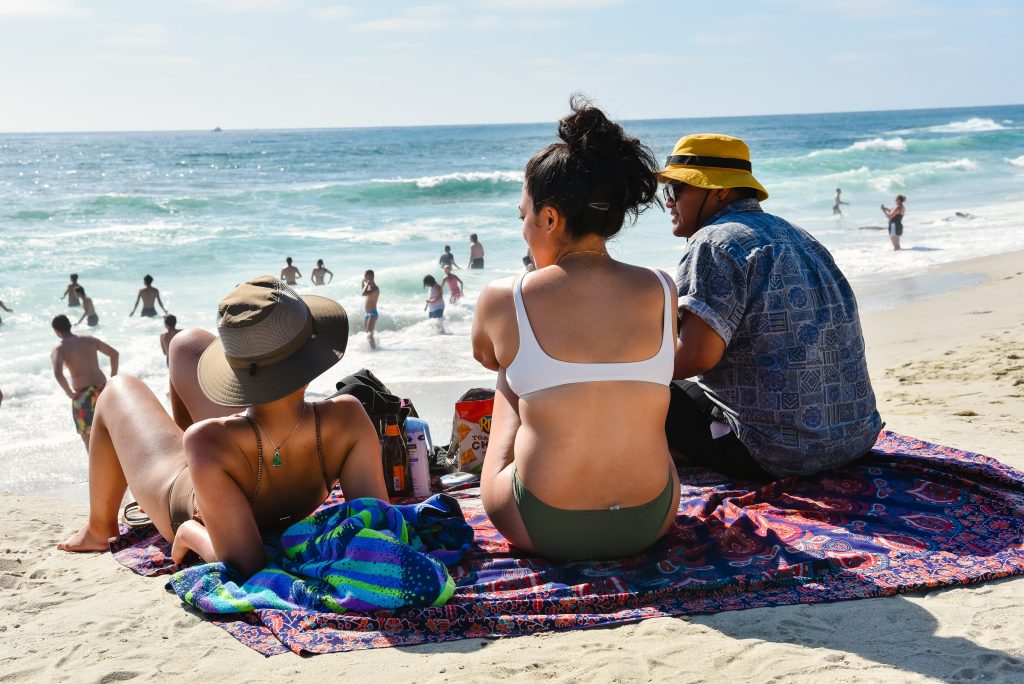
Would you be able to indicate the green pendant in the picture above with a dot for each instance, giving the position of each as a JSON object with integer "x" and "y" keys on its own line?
{"x": 277, "y": 458}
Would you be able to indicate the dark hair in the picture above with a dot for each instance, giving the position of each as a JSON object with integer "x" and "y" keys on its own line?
{"x": 838, "y": 190}
{"x": 61, "y": 324}
{"x": 171, "y": 320}
{"x": 428, "y": 281}
{"x": 901, "y": 198}
{"x": 745, "y": 193}
{"x": 447, "y": 248}
{"x": 596, "y": 177}
{"x": 319, "y": 262}
{"x": 74, "y": 276}
{"x": 148, "y": 279}
{"x": 80, "y": 290}
{"x": 289, "y": 260}
{"x": 472, "y": 237}
{"x": 369, "y": 272}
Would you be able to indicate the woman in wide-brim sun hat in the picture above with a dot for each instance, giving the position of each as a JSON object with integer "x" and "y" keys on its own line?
{"x": 212, "y": 479}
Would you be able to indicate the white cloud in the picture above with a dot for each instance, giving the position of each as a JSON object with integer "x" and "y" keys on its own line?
{"x": 136, "y": 37}
{"x": 40, "y": 8}
{"x": 248, "y": 5}
{"x": 864, "y": 10}
{"x": 418, "y": 18}
{"x": 332, "y": 12}
{"x": 553, "y": 5}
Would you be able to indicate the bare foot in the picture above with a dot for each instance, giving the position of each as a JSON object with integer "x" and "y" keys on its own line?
{"x": 86, "y": 540}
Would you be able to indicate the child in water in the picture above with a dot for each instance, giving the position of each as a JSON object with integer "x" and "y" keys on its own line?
{"x": 454, "y": 284}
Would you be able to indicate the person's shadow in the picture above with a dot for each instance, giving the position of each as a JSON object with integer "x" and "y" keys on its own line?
{"x": 891, "y": 631}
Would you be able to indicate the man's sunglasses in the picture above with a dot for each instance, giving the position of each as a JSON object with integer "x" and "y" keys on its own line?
{"x": 672, "y": 191}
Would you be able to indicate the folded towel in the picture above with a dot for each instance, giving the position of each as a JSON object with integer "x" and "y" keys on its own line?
{"x": 361, "y": 555}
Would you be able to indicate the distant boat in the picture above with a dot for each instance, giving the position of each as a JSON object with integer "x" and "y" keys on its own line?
{"x": 216, "y": 130}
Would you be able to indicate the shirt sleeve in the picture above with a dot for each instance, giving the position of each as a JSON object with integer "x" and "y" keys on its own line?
{"x": 713, "y": 285}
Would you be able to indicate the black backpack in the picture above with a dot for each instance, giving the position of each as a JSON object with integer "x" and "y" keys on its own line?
{"x": 376, "y": 398}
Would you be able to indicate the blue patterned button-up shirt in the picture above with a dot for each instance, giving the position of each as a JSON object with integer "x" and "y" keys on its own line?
{"x": 793, "y": 381}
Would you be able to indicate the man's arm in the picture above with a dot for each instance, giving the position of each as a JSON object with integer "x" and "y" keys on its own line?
{"x": 160, "y": 302}
{"x": 79, "y": 321}
{"x": 700, "y": 348}
{"x": 138, "y": 298}
{"x": 102, "y": 346}
{"x": 330, "y": 273}
{"x": 57, "y": 359}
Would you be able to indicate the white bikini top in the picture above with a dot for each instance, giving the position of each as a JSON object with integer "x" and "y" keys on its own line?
{"x": 533, "y": 370}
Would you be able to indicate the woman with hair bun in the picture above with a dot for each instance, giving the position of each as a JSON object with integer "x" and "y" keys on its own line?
{"x": 577, "y": 465}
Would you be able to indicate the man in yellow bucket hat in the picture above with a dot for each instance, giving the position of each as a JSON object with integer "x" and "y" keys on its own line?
{"x": 768, "y": 325}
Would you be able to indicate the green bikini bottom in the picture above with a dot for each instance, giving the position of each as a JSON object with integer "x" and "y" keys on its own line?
{"x": 592, "y": 533}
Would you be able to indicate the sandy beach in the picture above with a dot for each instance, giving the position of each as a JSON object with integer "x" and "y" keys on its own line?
{"x": 948, "y": 369}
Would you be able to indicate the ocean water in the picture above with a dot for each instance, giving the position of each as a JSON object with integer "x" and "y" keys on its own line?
{"x": 202, "y": 211}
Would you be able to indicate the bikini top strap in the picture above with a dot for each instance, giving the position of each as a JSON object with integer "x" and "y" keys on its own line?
{"x": 320, "y": 450}
{"x": 259, "y": 457}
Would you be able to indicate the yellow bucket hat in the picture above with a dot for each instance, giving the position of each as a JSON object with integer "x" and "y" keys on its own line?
{"x": 711, "y": 160}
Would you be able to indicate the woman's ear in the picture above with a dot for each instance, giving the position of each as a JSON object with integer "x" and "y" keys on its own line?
{"x": 553, "y": 221}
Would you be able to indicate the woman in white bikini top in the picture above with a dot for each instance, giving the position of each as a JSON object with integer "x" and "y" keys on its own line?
{"x": 577, "y": 464}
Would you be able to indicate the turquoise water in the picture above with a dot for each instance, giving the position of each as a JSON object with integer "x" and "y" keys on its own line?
{"x": 201, "y": 211}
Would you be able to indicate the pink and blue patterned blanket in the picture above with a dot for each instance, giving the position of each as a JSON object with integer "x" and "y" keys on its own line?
{"x": 910, "y": 515}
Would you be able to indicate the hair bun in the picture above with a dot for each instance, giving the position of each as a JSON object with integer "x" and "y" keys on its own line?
{"x": 588, "y": 130}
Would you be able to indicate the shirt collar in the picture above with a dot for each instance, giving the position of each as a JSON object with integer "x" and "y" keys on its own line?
{"x": 737, "y": 207}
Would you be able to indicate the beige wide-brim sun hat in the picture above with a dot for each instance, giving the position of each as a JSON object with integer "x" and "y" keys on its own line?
{"x": 712, "y": 161}
{"x": 270, "y": 343}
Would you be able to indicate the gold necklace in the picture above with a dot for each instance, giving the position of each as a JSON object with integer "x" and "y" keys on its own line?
{"x": 582, "y": 251}
{"x": 277, "y": 448}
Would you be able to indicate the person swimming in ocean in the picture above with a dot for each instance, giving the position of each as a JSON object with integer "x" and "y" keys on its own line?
{"x": 289, "y": 273}
{"x": 838, "y": 200}
{"x": 455, "y": 285}
{"x": 148, "y": 295}
{"x": 89, "y": 314}
{"x": 895, "y": 216}
{"x": 319, "y": 272}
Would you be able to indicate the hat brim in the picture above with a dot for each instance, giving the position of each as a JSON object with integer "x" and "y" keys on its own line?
{"x": 222, "y": 384}
{"x": 714, "y": 179}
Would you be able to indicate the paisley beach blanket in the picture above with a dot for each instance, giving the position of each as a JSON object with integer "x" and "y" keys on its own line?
{"x": 908, "y": 516}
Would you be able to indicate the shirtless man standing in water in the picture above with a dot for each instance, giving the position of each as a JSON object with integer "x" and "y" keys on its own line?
{"x": 370, "y": 295}
{"x": 79, "y": 354}
{"x": 70, "y": 293}
{"x": 289, "y": 274}
{"x": 148, "y": 295}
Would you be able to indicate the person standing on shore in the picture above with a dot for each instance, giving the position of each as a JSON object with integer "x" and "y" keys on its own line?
{"x": 89, "y": 311}
{"x": 476, "y": 252}
{"x": 148, "y": 295}
{"x": 434, "y": 305}
{"x": 4, "y": 307}
{"x": 319, "y": 272}
{"x": 170, "y": 323}
{"x": 447, "y": 258}
{"x": 895, "y": 216}
{"x": 767, "y": 323}
{"x": 371, "y": 293}
{"x": 838, "y": 200}
{"x": 80, "y": 355}
{"x": 70, "y": 293}
{"x": 290, "y": 274}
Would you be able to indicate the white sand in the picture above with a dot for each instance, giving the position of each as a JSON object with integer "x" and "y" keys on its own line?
{"x": 949, "y": 369}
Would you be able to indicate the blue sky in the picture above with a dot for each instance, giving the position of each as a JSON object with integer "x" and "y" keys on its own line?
{"x": 195, "y": 64}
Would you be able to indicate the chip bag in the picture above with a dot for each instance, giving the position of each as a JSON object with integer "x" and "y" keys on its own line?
{"x": 471, "y": 428}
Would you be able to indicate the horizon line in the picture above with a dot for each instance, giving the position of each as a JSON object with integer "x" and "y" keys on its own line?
{"x": 218, "y": 128}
